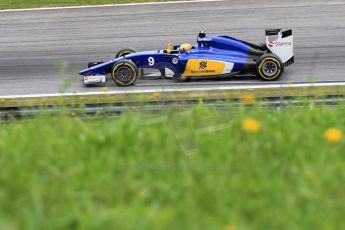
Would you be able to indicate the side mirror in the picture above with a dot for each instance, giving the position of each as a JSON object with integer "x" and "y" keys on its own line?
{"x": 169, "y": 48}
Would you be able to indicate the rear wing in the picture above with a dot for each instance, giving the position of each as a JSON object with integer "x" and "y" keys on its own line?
{"x": 280, "y": 43}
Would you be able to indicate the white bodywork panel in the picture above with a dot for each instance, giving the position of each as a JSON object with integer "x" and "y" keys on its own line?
{"x": 282, "y": 47}
{"x": 228, "y": 67}
{"x": 169, "y": 73}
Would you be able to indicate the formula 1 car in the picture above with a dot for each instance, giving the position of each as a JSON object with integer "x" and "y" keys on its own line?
{"x": 213, "y": 56}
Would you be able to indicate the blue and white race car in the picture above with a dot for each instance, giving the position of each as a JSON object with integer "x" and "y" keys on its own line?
{"x": 213, "y": 56}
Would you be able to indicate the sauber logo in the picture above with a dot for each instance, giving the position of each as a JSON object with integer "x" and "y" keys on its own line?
{"x": 203, "y": 65}
{"x": 271, "y": 44}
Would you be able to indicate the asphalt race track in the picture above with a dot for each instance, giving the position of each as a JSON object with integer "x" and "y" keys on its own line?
{"x": 33, "y": 43}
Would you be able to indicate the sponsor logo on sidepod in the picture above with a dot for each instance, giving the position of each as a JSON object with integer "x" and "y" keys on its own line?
{"x": 203, "y": 65}
{"x": 203, "y": 68}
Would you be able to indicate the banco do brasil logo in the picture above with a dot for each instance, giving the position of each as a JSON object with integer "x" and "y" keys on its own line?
{"x": 203, "y": 65}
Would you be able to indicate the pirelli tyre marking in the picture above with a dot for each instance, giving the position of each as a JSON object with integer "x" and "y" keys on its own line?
{"x": 199, "y": 68}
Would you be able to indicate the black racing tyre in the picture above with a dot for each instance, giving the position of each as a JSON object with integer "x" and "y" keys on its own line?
{"x": 269, "y": 67}
{"x": 124, "y": 73}
{"x": 124, "y": 52}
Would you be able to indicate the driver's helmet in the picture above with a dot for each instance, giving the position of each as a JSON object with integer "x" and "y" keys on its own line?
{"x": 185, "y": 47}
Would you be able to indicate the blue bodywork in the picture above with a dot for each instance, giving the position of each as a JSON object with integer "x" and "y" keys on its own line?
{"x": 242, "y": 54}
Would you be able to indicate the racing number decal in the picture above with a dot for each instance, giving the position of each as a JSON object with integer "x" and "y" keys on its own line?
{"x": 151, "y": 61}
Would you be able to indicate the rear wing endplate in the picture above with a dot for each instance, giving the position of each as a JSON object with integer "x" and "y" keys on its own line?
{"x": 280, "y": 43}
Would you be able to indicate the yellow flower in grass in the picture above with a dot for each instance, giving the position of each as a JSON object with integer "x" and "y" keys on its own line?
{"x": 251, "y": 125}
{"x": 248, "y": 99}
{"x": 333, "y": 135}
{"x": 230, "y": 227}
{"x": 105, "y": 89}
{"x": 156, "y": 94}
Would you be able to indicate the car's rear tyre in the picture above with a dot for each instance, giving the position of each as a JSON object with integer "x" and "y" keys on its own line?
{"x": 124, "y": 73}
{"x": 124, "y": 52}
{"x": 269, "y": 67}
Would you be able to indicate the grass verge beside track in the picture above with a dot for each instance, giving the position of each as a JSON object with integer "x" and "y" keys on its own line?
{"x": 107, "y": 98}
{"x": 197, "y": 168}
{"x": 19, "y": 4}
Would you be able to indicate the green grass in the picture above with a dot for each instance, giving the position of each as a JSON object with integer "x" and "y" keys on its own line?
{"x": 232, "y": 94}
{"x": 190, "y": 169}
{"x": 15, "y": 4}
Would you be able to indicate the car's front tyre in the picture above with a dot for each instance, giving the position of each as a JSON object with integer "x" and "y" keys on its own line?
{"x": 269, "y": 67}
{"x": 124, "y": 73}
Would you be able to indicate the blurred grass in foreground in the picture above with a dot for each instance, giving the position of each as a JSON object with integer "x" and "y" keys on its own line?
{"x": 196, "y": 168}
{"x": 16, "y": 4}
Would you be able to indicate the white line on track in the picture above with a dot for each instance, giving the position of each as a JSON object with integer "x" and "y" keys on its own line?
{"x": 108, "y": 5}
{"x": 163, "y": 90}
